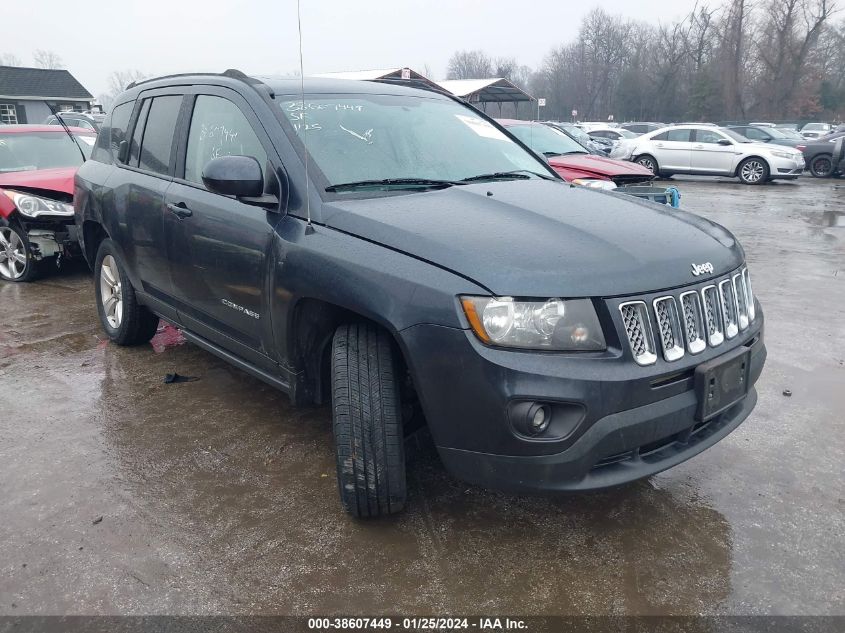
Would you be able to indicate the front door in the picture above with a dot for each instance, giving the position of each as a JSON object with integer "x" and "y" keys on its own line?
{"x": 708, "y": 156}
{"x": 220, "y": 247}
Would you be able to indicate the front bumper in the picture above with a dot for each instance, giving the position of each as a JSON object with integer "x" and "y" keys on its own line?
{"x": 786, "y": 167}
{"x": 636, "y": 421}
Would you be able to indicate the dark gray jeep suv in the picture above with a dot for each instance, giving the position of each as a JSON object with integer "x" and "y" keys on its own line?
{"x": 391, "y": 251}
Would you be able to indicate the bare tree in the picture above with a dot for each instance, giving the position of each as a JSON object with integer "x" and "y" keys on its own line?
{"x": 47, "y": 59}
{"x": 120, "y": 79}
{"x": 470, "y": 65}
{"x": 9, "y": 59}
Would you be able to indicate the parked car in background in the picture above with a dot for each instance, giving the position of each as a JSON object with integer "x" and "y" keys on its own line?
{"x": 768, "y": 134}
{"x": 819, "y": 154}
{"x": 791, "y": 132}
{"x": 596, "y": 146}
{"x": 710, "y": 151}
{"x": 77, "y": 119}
{"x": 611, "y": 133}
{"x": 37, "y": 166}
{"x": 816, "y": 130}
{"x": 572, "y": 160}
{"x": 642, "y": 127}
{"x": 438, "y": 267}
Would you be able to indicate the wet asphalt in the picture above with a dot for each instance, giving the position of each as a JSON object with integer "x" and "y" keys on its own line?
{"x": 120, "y": 494}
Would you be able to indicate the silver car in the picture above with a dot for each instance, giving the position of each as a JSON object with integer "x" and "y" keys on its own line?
{"x": 710, "y": 151}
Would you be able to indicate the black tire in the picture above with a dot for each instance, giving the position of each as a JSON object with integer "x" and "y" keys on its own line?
{"x": 367, "y": 421}
{"x": 753, "y": 171}
{"x": 32, "y": 267}
{"x": 137, "y": 325}
{"x": 822, "y": 166}
{"x": 649, "y": 162}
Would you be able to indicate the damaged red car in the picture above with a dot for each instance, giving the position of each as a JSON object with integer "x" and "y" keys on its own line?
{"x": 37, "y": 166}
{"x": 574, "y": 162}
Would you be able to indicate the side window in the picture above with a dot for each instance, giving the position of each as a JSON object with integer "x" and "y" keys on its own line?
{"x": 708, "y": 136}
{"x": 681, "y": 135}
{"x": 119, "y": 122}
{"x": 137, "y": 133}
{"x": 219, "y": 128}
{"x": 157, "y": 142}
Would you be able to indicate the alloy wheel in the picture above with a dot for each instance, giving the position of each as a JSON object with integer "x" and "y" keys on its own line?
{"x": 752, "y": 171}
{"x": 822, "y": 166}
{"x": 13, "y": 257}
{"x": 110, "y": 292}
{"x": 647, "y": 163}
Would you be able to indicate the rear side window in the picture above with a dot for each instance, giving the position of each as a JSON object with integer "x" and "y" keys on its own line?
{"x": 219, "y": 128}
{"x": 157, "y": 141}
{"x": 681, "y": 135}
{"x": 138, "y": 132}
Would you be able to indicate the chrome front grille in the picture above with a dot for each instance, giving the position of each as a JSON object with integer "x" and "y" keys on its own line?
{"x": 636, "y": 321}
{"x": 689, "y": 321}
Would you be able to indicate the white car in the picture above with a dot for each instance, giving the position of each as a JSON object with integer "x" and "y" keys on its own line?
{"x": 710, "y": 151}
{"x": 611, "y": 133}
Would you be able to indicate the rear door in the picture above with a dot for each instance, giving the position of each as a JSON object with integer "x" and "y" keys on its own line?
{"x": 137, "y": 188}
{"x": 220, "y": 247}
{"x": 708, "y": 156}
{"x": 672, "y": 149}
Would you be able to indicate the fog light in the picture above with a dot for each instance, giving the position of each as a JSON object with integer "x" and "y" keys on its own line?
{"x": 538, "y": 418}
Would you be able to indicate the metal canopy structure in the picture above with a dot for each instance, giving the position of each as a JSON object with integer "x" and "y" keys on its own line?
{"x": 406, "y": 76}
{"x": 483, "y": 91}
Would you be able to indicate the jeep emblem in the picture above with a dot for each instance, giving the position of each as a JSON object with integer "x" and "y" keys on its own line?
{"x": 700, "y": 269}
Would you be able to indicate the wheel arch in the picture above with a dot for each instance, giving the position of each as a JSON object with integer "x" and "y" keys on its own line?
{"x": 93, "y": 234}
{"x": 312, "y": 327}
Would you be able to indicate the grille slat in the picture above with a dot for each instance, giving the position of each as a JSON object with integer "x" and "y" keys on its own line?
{"x": 666, "y": 311}
{"x": 713, "y": 316}
{"x": 638, "y": 328}
{"x": 741, "y": 300}
{"x": 728, "y": 300}
{"x": 693, "y": 321}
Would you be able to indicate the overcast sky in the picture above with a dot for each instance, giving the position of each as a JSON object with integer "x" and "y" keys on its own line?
{"x": 260, "y": 36}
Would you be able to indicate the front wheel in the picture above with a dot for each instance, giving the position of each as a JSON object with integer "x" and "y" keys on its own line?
{"x": 753, "y": 171}
{"x": 822, "y": 166}
{"x": 367, "y": 421}
{"x": 125, "y": 321}
{"x": 17, "y": 263}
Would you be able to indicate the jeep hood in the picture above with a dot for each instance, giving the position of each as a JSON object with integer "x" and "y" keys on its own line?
{"x": 539, "y": 238}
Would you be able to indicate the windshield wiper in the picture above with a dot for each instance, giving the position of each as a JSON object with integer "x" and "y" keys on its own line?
{"x": 518, "y": 174}
{"x": 421, "y": 182}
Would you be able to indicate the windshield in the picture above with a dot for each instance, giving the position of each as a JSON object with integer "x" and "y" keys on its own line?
{"x": 354, "y": 138}
{"x": 577, "y": 133}
{"x": 739, "y": 138}
{"x": 546, "y": 140}
{"x": 626, "y": 133}
{"x": 813, "y": 127}
{"x": 29, "y": 151}
{"x": 776, "y": 133}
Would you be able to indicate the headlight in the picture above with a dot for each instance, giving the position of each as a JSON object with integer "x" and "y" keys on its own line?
{"x": 594, "y": 183}
{"x": 34, "y": 206}
{"x": 785, "y": 155}
{"x": 553, "y": 324}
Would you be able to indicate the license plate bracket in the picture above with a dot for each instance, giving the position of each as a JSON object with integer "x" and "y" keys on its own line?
{"x": 722, "y": 382}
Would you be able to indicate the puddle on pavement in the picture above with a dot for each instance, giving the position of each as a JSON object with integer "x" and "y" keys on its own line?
{"x": 832, "y": 219}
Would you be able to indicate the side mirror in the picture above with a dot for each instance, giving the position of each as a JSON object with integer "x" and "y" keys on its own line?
{"x": 725, "y": 141}
{"x": 123, "y": 151}
{"x": 238, "y": 176}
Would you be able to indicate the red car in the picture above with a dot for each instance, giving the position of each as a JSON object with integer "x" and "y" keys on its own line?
{"x": 573, "y": 161}
{"x": 37, "y": 166}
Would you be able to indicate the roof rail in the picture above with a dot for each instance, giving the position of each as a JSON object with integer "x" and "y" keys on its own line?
{"x": 231, "y": 73}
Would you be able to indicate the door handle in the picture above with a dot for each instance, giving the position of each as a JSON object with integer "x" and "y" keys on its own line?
{"x": 180, "y": 210}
